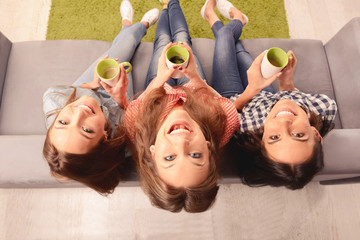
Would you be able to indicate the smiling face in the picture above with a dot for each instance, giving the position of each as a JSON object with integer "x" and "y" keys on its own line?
{"x": 288, "y": 136}
{"x": 78, "y": 127}
{"x": 181, "y": 152}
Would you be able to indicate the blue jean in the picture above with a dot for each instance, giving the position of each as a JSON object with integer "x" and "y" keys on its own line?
{"x": 171, "y": 27}
{"x": 231, "y": 60}
{"x": 123, "y": 48}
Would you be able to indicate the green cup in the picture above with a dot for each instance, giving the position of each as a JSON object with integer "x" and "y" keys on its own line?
{"x": 177, "y": 56}
{"x": 273, "y": 62}
{"x": 108, "y": 70}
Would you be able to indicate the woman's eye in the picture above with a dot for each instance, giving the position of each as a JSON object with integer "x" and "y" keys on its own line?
{"x": 274, "y": 137}
{"x": 87, "y": 130}
{"x": 62, "y": 122}
{"x": 298, "y": 135}
{"x": 169, "y": 158}
{"x": 195, "y": 155}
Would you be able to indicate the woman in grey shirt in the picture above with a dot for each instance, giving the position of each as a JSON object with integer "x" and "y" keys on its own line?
{"x": 85, "y": 141}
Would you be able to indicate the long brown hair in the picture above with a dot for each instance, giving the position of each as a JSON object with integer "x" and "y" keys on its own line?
{"x": 208, "y": 113}
{"x": 100, "y": 169}
{"x": 257, "y": 169}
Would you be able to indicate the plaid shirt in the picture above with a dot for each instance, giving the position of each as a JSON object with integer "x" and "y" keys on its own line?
{"x": 254, "y": 113}
{"x": 232, "y": 121}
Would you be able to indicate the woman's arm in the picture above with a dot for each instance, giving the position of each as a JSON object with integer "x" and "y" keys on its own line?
{"x": 256, "y": 82}
{"x": 95, "y": 83}
{"x": 285, "y": 80}
{"x": 163, "y": 73}
{"x": 118, "y": 91}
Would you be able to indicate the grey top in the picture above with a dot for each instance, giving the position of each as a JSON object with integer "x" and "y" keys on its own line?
{"x": 56, "y": 97}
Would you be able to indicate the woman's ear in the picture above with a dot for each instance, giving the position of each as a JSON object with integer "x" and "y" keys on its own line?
{"x": 317, "y": 135}
{"x": 152, "y": 150}
{"x": 60, "y": 177}
{"x": 208, "y": 144}
{"x": 105, "y": 136}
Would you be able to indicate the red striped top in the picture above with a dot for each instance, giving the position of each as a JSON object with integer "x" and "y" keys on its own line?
{"x": 232, "y": 121}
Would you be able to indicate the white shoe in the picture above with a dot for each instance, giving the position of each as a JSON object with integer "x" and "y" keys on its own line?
{"x": 151, "y": 16}
{"x": 126, "y": 10}
{"x": 202, "y": 11}
{"x": 224, "y": 8}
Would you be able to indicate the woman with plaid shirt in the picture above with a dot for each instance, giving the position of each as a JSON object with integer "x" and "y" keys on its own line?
{"x": 280, "y": 133}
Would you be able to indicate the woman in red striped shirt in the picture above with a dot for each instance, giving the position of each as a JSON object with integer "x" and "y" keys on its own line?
{"x": 178, "y": 130}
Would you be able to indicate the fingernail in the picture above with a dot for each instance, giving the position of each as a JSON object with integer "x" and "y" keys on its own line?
{"x": 180, "y": 68}
{"x": 175, "y": 67}
{"x": 181, "y": 42}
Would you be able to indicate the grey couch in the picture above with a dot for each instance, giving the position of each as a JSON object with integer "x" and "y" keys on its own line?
{"x": 27, "y": 69}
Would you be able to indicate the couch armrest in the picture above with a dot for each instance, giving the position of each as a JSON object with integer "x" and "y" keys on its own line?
{"x": 341, "y": 155}
{"x": 5, "y": 48}
{"x": 343, "y": 53}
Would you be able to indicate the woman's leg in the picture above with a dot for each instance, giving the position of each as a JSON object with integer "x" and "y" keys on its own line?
{"x": 123, "y": 47}
{"x": 226, "y": 77}
{"x": 162, "y": 38}
{"x": 244, "y": 61}
{"x": 180, "y": 32}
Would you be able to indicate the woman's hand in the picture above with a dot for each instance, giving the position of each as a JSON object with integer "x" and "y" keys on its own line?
{"x": 118, "y": 91}
{"x": 95, "y": 84}
{"x": 285, "y": 80}
{"x": 256, "y": 81}
{"x": 164, "y": 73}
{"x": 191, "y": 70}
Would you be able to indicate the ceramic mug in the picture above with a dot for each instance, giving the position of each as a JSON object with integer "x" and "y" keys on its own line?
{"x": 108, "y": 70}
{"x": 273, "y": 62}
{"x": 177, "y": 56}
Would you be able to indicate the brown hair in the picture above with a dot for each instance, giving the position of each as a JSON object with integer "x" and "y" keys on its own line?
{"x": 100, "y": 169}
{"x": 257, "y": 169}
{"x": 208, "y": 113}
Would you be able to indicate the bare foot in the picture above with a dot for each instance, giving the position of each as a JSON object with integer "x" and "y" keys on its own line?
{"x": 237, "y": 14}
{"x": 146, "y": 24}
{"x": 165, "y": 3}
{"x": 209, "y": 14}
{"x": 126, "y": 22}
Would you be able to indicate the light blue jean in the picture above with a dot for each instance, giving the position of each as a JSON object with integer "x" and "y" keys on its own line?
{"x": 231, "y": 60}
{"x": 171, "y": 27}
{"x": 123, "y": 48}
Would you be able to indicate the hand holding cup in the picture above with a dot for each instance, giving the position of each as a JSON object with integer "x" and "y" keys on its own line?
{"x": 109, "y": 72}
{"x": 177, "y": 56}
{"x": 274, "y": 61}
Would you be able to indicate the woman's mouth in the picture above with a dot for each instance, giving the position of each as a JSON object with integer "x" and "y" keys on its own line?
{"x": 87, "y": 107}
{"x": 180, "y": 128}
{"x": 285, "y": 112}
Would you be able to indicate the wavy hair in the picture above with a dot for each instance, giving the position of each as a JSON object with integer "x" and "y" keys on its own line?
{"x": 101, "y": 168}
{"x": 208, "y": 113}
{"x": 258, "y": 169}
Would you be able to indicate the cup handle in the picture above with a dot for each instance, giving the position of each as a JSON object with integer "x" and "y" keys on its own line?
{"x": 127, "y": 64}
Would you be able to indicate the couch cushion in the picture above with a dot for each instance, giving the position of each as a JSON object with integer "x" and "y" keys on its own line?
{"x": 34, "y": 67}
{"x": 343, "y": 53}
{"x": 312, "y": 74}
{"x": 5, "y": 48}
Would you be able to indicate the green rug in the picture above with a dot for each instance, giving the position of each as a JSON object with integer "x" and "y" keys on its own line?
{"x": 101, "y": 20}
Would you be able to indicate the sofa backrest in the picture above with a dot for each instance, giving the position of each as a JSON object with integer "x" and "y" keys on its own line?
{"x": 35, "y": 66}
{"x": 343, "y": 54}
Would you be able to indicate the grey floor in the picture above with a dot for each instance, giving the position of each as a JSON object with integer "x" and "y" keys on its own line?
{"x": 240, "y": 212}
